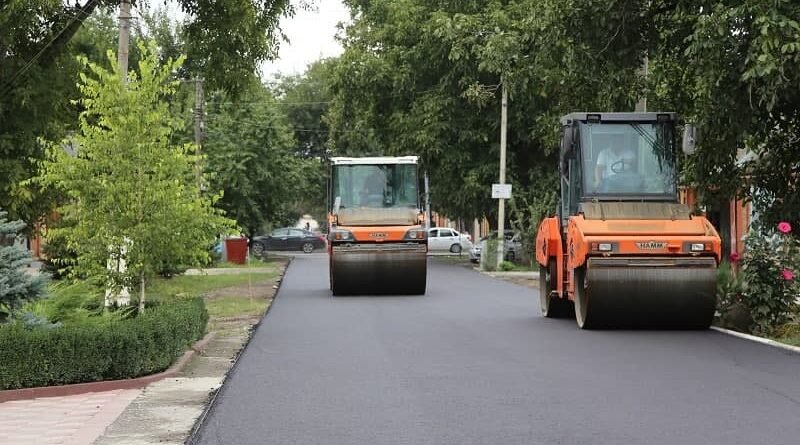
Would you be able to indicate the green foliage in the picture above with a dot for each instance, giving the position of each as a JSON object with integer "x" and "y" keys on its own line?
{"x": 67, "y": 303}
{"x": 733, "y": 68}
{"x": 95, "y": 350}
{"x": 769, "y": 285}
{"x": 16, "y": 286}
{"x": 132, "y": 193}
{"x": 226, "y": 41}
{"x": 507, "y": 266}
{"x": 422, "y": 78}
{"x": 251, "y": 151}
{"x": 58, "y": 256}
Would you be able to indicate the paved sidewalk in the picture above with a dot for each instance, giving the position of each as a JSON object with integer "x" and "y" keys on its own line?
{"x": 70, "y": 420}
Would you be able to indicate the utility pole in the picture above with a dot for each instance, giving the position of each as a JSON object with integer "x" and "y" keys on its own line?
{"x": 501, "y": 210}
{"x": 641, "y": 105}
{"x": 427, "y": 203}
{"x": 199, "y": 124}
{"x": 116, "y": 261}
{"x": 124, "y": 38}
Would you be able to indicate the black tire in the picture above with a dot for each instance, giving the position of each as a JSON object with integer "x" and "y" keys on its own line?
{"x": 455, "y": 248}
{"x": 551, "y": 305}
{"x": 308, "y": 247}
{"x": 258, "y": 250}
{"x": 511, "y": 256}
{"x": 582, "y": 314}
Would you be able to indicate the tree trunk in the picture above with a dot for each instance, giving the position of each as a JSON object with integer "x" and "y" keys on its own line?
{"x": 141, "y": 293}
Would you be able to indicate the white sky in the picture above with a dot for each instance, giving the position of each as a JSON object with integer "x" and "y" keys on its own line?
{"x": 310, "y": 32}
{"x": 311, "y": 35}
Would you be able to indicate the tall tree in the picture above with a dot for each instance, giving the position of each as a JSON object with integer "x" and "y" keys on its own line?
{"x": 251, "y": 152}
{"x": 129, "y": 186}
{"x": 733, "y": 67}
{"x": 306, "y": 100}
{"x": 225, "y": 40}
{"x": 424, "y": 78}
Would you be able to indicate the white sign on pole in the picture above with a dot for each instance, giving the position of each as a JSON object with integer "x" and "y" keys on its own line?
{"x": 501, "y": 191}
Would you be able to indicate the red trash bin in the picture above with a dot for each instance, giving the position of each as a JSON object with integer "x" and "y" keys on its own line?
{"x": 236, "y": 249}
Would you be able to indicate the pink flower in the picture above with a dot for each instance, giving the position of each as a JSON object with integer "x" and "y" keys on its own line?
{"x": 787, "y": 274}
{"x": 734, "y": 258}
{"x": 784, "y": 227}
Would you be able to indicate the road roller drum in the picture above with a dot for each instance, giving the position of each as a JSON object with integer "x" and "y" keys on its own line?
{"x": 379, "y": 270}
{"x": 671, "y": 293}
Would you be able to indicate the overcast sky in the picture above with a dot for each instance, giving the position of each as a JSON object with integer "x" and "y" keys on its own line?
{"x": 311, "y": 34}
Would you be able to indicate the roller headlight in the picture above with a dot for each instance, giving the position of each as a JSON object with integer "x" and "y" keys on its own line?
{"x": 341, "y": 235}
{"x": 416, "y": 235}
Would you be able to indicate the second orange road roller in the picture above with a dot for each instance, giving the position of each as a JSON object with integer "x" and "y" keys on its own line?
{"x": 377, "y": 241}
{"x": 621, "y": 250}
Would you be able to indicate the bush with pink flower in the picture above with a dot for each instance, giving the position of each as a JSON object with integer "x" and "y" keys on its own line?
{"x": 767, "y": 286}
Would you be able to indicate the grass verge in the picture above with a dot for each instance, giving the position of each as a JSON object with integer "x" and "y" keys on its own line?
{"x": 235, "y": 306}
{"x": 203, "y": 284}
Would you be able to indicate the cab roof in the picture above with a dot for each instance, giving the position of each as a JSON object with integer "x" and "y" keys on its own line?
{"x": 375, "y": 160}
{"x": 619, "y": 117}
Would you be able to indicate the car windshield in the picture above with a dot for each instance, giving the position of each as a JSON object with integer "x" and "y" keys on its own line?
{"x": 377, "y": 186}
{"x": 628, "y": 158}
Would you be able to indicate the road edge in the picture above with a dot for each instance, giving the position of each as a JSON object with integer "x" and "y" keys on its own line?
{"x": 40, "y": 392}
{"x": 762, "y": 340}
{"x": 211, "y": 403}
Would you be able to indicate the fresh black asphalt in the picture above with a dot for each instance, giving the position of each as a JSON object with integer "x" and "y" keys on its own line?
{"x": 473, "y": 362}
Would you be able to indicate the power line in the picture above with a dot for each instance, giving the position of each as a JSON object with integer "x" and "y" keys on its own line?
{"x": 10, "y": 84}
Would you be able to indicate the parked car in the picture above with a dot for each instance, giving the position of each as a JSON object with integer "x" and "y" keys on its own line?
{"x": 511, "y": 246}
{"x": 447, "y": 239}
{"x": 287, "y": 238}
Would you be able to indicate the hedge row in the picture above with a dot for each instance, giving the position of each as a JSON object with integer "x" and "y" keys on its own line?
{"x": 96, "y": 351}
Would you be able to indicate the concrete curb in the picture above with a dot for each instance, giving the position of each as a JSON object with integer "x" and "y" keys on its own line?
{"x": 763, "y": 341}
{"x": 106, "y": 385}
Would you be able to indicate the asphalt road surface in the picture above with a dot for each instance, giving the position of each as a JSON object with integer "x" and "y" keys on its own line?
{"x": 473, "y": 362}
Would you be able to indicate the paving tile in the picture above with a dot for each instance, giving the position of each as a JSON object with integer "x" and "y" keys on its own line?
{"x": 69, "y": 420}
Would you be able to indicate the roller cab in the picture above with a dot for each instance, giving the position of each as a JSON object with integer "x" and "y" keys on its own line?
{"x": 377, "y": 244}
{"x": 621, "y": 251}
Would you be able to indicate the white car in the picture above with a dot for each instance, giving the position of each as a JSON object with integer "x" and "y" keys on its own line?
{"x": 447, "y": 239}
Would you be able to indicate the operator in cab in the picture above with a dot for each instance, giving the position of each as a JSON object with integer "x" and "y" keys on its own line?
{"x": 612, "y": 160}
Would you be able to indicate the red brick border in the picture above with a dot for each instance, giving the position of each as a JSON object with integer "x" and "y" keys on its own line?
{"x": 107, "y": 385}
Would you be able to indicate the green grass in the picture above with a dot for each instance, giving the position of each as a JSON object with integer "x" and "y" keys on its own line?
{"x": 794, "y": 341}
{"x": 201, "y": 284}
{"x": 524, "y": 268}
{"x": 224, "y": 307}
{"x": 252, "y": 264}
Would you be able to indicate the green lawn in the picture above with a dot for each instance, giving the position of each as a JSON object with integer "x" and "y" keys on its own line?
{"x": 252, "y": 264}
{"x": 66, "y": 300}
{"x": 224, "y": 307}
{"x": 794, "y": 341}
{"x": 201, "y": 284}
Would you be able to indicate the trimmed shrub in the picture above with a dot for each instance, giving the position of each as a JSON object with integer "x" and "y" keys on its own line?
{"x": 507, "y": 266}
{"x": 96, "y": 350}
